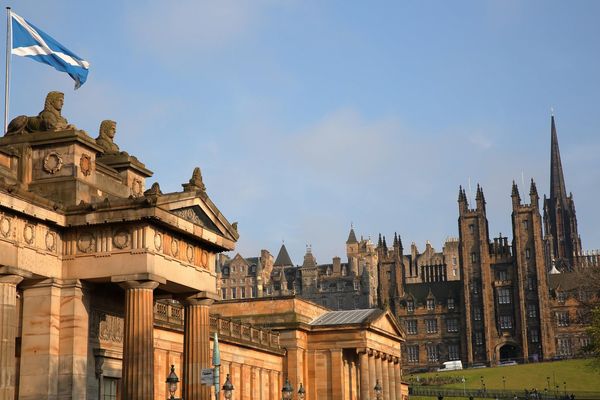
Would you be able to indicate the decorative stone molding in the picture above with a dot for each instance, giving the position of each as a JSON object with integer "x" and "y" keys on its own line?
{"x": 106, "y": 327}
{"x": 29, "y": 233}
{"x": 137, "y": 189}
{"x": 50, "y": 241}
{"x": 85, "y": 164}
{"x": 53, "y": 162}
{"x": 5, "y": 225}
{"x": 157, "y": 241}
{"x": 86, "y": 242}
{"x": 121, "y": 238}
{"x": 204, "y": 260}
{"x": 174, "y": 247}
{"x": 190, "y": 253}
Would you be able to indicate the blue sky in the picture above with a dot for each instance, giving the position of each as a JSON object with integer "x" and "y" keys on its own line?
{"x": 308, "y": 115}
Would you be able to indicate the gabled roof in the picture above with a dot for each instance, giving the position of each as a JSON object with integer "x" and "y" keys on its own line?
{"x": 345, "y": 317}
{"x": 283, "y": 258}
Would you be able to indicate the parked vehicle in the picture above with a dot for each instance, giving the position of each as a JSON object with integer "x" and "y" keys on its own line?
{"x": 451, "y": 366}
{"x": 506, "y": 363}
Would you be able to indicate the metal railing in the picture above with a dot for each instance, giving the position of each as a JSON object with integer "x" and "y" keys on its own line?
{"x": 435, "y": 392}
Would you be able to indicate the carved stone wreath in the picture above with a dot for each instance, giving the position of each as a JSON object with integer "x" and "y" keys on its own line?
{"x": 4, "y": 226}
{"x": 86, "y": 242}
{"x": 85, "y": 164}
{"x": 174, "y": 247}
{"x": 190, "y": 253}
{"x": 121, "y": 238}
{"x": 50, "y": 241}
{"x": 29, "y": 233}
{"x": 157, "y": 241}
{"x": 53, "y": 162}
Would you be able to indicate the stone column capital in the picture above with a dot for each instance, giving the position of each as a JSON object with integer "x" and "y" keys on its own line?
{"x": 201, "y": 299}
{"x": 11, "y": 279}
{"x": 139, "y": 285}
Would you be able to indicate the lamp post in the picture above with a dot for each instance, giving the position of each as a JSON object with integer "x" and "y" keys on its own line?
{"x": 216, "y": 360}
{"x": 548, "y": 383}
{"x": 172, "y": 381}
{"x": 565, "y": 387}
{"x": 301, "y": 392}
{"x": 227, "y": 388}
{"x": 288, "y": 390}
{"x": 378, "y": 390}
{"x": 504, "y": 383}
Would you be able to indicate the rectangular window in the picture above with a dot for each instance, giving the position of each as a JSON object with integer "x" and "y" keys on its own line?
{"x": 413, "y": 353}
{"x": 234, "y": 293}
{"x": 431, "y": 325}
{"x": 564, "y": 347}
{"x": 562, "y": 318}
{"x": 530, "y": 283}
{"x": 478, "y": 338}
{"x": 411, "y": 326}
{"x": 561, "y": 296}
{"x": 477, "y": 314}
{"x": 243, "y": 293}
{"x": 534, "y": 336}
{"x": 584, "y": 342}
{"x": 109, "y": 388}
{"x": 471, "y": 228}
{"x": 531, "y": 310}
{"x": 504, "y": 295}
{"x": 453, "y": 352}
{"x": 506, "y": 322}
{"x": 410, "y": 306}
{"x": 430, "y": 304}
{"x": 453, "y": 260}
{"x": 452, "y": 325}
{"x": 502, "y": 275}
{"x": 451, "y": 304}
{"x": 356, "y": 285}
{"x": 223, "y": 293}
{"x": 254, "y": 291}
{"x": 432, "y": 353}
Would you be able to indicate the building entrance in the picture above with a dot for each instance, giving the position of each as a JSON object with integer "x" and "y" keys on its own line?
{"x": 509, "y": 352}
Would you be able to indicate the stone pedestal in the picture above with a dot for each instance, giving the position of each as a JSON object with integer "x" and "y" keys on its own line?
{"x": 138, "y": 340}
{"x": 196, "y": 347}
{"x": 8, "y": 333}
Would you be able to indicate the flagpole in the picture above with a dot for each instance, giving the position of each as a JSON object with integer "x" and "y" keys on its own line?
{"x": 7, "y": 77}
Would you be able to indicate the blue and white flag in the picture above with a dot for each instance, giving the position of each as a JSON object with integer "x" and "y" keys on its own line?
{"x": 32, "y": 42}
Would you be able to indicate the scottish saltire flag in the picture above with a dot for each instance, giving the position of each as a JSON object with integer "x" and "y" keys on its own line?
{"x": 30, "y": 41}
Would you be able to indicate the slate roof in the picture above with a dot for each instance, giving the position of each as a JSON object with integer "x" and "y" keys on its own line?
{"x": 351, "y": 237}
{"x": 566, "y": 280}
{"x": 440, "y": 290}
{"x": 345, "y": 317}
{"x": 283, "y": 258}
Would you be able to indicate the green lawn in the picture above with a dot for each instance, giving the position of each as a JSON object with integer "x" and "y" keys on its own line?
{"x": 576, "y": 373}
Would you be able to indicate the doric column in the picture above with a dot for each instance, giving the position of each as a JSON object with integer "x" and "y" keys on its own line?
{"x": 196, "y": 346}
{"x": 398, "y": 376}
{"x": 372, "y": 373}
{"x": 392, "y": 377}
{"x": 8, "y": 333}
{"x": 138, "y": 340}
{"x": 337, "y": 374}
{"x": 364, "y": 375}
{"x": 385, "y": 377}
{"x": 378, "y": 368}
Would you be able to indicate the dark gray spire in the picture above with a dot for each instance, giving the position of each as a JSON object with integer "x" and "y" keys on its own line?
{"x": 351, "y": 237}
{"x": 283, "y": 258}
{"x": 558, "y": 192}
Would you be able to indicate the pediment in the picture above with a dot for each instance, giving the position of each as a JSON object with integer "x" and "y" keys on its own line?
{"x": 387, "y": 323}
{"x": 196, "y": 215}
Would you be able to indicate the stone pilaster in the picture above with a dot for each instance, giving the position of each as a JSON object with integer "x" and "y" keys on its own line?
{"x": 385, "y": 377}
{"x": 364, "y": 375}
{"x": 372, "y": 373}
{"x": 138, "y": 340}
{"x": 398, "y": 377}
{"x": 8, "y": 333}
{"x": 196, "y": 347}
{"x": 392, "y": 377}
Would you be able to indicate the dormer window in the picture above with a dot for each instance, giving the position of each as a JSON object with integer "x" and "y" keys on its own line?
{"x": 450, "y": 304}
{"x": 410, "y": 306}
{"x": 430, "y": 304}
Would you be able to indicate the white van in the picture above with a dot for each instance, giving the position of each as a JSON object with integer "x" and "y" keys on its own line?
{"x": 451, "y": 366}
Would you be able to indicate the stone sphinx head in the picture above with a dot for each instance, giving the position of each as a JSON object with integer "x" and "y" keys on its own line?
{"x": 108, "y": 129}
{"x": 54, "y": 102}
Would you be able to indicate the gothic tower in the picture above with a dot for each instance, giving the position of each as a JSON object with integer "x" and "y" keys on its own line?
{"x": 563, "y": 243}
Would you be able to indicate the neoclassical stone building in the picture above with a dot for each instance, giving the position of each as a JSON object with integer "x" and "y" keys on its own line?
{"x": 106, "y": 282}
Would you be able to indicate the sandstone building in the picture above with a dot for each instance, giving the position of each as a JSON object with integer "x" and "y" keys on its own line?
{"x": 479, "y": 300}
{"x": 106, "y": 282}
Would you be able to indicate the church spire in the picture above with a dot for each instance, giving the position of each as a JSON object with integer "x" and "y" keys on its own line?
{"x": 558, "y": 192}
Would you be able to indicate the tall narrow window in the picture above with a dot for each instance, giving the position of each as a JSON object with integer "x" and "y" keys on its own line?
{"x": 452, "y": 325}
{"x": 534, "y": 336}
{"x": 413, "y": 354}
{"x": 109, "y": 388}
{"x": 528, "y": 253}
{"x": 223, "y": 293}
{"x": 505, "y": 322}
{"x": 411, "y": 326}
{"x": 234, "y": 293}
{"x": 526, "y": 225}
{"x": 410, "y": 306}
{"x": 531, "y": 310}
{"x": 451, "y": 303}
{"x": 478, "y": 338}
{"x": 453, "y": 352}
{"x": 431, "y": 325}
{"x": 430, "y": 304}
{"x": 432, "y": 352}
{"x": 477, "y": 314}
{"x": 503, "y": 295}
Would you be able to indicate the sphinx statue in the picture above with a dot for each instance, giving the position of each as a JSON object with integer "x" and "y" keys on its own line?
{"x": 106, "y": 137}
{"x": 49, "y": 119}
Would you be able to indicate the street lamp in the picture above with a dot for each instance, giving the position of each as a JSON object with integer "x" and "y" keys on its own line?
{"x": 504, "y": 382}
{"x": 378, "y": 390}
{"x": 565, "y": 386}
{"x": 301, "y": 392}
{"x": 172, "y": 381}
{"x": 287, "y": 390}
{"x": 227, "y": 388}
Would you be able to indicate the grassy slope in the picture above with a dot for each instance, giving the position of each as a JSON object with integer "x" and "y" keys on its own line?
{"x": 577, "y": 374}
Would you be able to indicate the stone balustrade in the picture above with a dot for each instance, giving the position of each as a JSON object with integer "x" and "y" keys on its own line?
{"x": 171, "y": 315}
